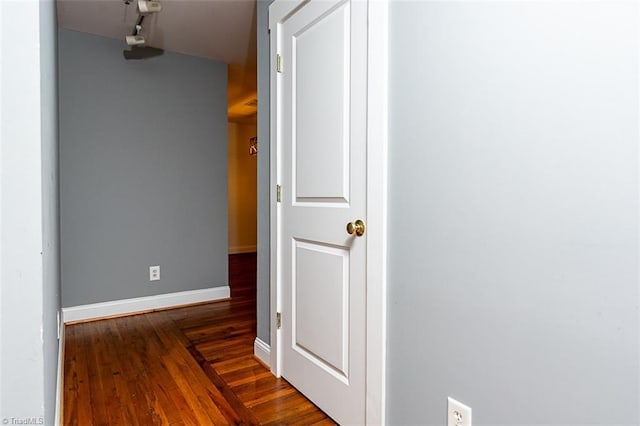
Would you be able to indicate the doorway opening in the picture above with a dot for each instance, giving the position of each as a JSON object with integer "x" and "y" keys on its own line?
{"x": 242, "y": 187}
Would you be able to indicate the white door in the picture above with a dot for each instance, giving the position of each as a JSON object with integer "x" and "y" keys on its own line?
{"x": 322, "y": 153}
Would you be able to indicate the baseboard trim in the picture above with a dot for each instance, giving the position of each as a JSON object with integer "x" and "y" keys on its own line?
{"x": 262, "y": 351}
{"x": 243, "y": 249}
{"x": 137, "y": 305}
{"x": 59, "y": 391}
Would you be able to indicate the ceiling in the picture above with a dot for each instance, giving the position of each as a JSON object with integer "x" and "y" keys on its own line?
{"x": 221, "y": 30}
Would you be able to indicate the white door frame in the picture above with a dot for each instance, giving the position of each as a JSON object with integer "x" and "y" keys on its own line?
{"x": 376, "y": 273}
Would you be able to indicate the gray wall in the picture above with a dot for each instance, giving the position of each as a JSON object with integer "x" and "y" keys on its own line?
{"x": 50, "y": 202}
{"x": 143, "y": 171}
{"x": 263, "y": 171}
{"x": 29, "y": 283}
{"x": 513, "y": 222}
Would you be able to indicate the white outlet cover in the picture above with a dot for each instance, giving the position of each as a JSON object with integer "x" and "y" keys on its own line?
{"x": 458, "y": 414}
{"x": 154, "y": 273}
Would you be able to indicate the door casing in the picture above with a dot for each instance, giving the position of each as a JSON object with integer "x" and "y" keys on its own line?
{"x": 377, "y": 131}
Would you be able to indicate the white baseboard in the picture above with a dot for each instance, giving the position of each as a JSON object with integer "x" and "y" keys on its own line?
{"x": 59, "y": 391}
{"x": 142, "y": 304}
{"x": 262, "y": 351}
{"x": 243, "y": 249}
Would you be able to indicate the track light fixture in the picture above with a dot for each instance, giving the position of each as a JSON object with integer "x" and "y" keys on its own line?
{"x": 136, "y": 40}
{"x": 145, "y": 7}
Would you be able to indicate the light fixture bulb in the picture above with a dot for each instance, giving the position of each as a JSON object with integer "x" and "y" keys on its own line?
{"x": 135, "y": 40}
{"x": 149, "y": 6}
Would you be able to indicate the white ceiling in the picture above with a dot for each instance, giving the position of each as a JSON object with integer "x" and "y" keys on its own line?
{"x": 222, "y": 30}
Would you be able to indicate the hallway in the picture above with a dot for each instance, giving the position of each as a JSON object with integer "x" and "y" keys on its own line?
{"x": 187, "y": 366}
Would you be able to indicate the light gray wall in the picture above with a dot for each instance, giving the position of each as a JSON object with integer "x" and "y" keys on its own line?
{"x": 29, "y": 285}
{"x": 50, "y": 202}
{"x": 263, "y": 306}
{"x": 143, "y": 171}
{"x": 513, "y": 221}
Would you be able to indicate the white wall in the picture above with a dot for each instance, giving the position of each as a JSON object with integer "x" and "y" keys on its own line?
{"x": 242, "y": 191}
{"x": 513, "y": 234}
{"x": 2, "y": 65}
{"x": 50, "y": 199}
{"x": 27, "y": 133}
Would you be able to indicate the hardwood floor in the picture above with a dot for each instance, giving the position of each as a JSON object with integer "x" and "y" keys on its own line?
{"x": 187, "y": 366}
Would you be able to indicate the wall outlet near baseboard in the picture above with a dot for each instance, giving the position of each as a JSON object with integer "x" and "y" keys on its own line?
{"x": 458, "y": 414}
{"x": 154, "y": 273}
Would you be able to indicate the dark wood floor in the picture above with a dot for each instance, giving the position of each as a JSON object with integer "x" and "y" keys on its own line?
{"x": 188, "y": 366}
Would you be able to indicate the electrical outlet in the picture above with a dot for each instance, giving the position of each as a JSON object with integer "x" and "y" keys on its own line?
{"x": 458, "y": 414}
{"x": 154, "y": 273}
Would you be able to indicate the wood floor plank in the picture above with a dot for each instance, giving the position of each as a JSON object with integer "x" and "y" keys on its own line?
{"x": 161, "y": 409}
{"x": 99, "y": 415}
{"x": 264, "y": 390}
{"x": 164, "y": 364}
{"x": 245, "y": 415}
{"x": 192, "y": 365}
{"x": 210, "y": 400}
{"x": 246, "y": 376}
{"x": 235, "y": 364}
{"x": 284, "y": 409}
{"x": 108, "y": 364}
{"x": 70, "y": 401}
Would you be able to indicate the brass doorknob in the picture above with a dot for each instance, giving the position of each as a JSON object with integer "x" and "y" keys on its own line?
{"x": 356, "y": 227}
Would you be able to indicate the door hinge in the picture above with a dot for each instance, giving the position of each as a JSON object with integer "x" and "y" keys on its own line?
{"x": 278, "y": 320}
{"x": 278, "y": 63}
{"x": 278, "y": 193}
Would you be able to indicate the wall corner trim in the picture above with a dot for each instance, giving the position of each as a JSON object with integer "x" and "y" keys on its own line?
{"x": 262, "y": 351}
{"x": 137, "y": 305}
